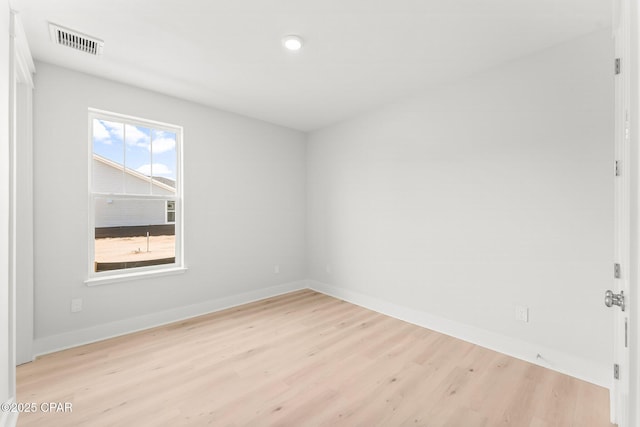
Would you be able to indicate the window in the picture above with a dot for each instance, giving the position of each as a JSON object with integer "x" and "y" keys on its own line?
{"x": 171, "y": 211}
{"x": 135, "y": 195}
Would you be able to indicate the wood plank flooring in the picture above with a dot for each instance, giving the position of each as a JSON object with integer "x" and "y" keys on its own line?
{"x": 301, "y": 359}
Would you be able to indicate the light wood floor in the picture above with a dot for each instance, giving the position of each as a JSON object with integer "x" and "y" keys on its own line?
{"x": 301, "y": 359}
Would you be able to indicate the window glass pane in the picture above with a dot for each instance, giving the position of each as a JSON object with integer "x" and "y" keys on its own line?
{"x": 164, "y": 161}
{"x": 132, "y": 233}
{"x": 137, "y": 159}
{"x": 108, "y": 156}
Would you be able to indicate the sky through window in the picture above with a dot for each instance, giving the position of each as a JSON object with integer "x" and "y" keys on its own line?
{"x": 151, "y": 152}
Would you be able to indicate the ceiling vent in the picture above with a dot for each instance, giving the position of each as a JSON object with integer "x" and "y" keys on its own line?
{"x": 75, "y": 40}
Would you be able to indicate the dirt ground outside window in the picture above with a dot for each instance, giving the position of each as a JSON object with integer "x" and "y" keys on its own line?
{"x": 132, "y": 249}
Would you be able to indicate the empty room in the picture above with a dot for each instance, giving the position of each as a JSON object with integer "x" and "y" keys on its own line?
{"x": 320, "y": 213}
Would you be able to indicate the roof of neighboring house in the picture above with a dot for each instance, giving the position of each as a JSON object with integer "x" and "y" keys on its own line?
{"x": 170, "y": 182}
{"x": 161, "y": 182}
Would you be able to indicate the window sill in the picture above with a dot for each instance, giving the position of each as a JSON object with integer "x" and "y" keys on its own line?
{"x": 125, "y": 277}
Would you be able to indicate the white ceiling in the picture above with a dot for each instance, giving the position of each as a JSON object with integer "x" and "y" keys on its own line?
{"x": 358, "y": 54}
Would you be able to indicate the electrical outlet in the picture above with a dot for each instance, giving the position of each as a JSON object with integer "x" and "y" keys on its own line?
{"x": 76, "y": 305}
{"x": 276, "y": 269}
{"x": 328, "y": 268}
{"x": 522, "y": 313}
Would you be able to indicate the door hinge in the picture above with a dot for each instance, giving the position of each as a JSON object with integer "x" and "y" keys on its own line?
{"x": 616, "y": 271}
{"x": 617, "y": 168}
{"x": 616, "y": 371}
{"x": 617, "y": 66}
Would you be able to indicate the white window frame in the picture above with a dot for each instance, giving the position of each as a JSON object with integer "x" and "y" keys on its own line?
{"x": 104, "y": 277}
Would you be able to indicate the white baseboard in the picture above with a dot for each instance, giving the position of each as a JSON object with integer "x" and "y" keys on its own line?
{"x": 9, "y": 419}
{"x": 553, "y": 359}
{"x": 79, "y": 337}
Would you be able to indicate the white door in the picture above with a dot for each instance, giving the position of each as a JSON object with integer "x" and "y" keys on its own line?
{"x": 21, "y": 173}
{"x": 23, "y": 199}
{"x": 617, "y": 297}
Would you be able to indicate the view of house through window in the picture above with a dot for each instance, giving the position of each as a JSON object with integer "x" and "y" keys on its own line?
{"x": 134, "y": 192}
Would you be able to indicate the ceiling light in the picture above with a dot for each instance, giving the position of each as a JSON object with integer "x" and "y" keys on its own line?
{"x": 292, "y": 42}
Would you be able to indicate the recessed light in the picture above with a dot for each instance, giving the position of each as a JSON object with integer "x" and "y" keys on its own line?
{"x": 292, "y": 42}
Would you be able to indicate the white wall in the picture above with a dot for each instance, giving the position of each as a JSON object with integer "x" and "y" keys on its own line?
{"x": 5, "y": 346}
{"x": 485, "y": 194}
{"x": 244, "y": 197}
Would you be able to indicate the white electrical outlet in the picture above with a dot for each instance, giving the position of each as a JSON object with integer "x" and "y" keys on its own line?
{"x": 76, "y": 305}
{"x": 522, "y": 313}
{"x": 276, "y": 269}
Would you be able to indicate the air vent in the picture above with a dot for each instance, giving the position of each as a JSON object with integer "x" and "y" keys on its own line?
{"x": 75, "y": 40}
